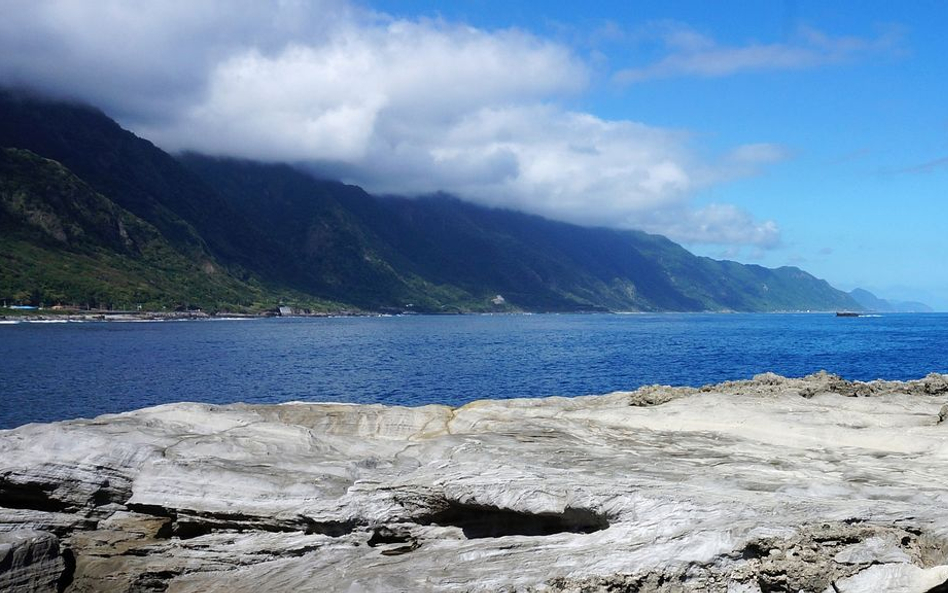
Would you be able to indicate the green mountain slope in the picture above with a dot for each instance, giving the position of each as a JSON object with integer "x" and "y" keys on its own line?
{"x": 142, "y": 179}
{"x": 532, "y": 262}
{"x": 61, "y": 242}
{"x": 317, "y": 226}
{"x": 112, "y": 217}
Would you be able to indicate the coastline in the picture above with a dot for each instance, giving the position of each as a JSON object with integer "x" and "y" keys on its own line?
{"x": 808, "y": 484}
{"x": 146, "y": 316}
{"x": 75, "y": 316}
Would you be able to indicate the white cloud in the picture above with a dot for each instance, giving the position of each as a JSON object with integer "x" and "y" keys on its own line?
{"x": 398, "y": 106}
{"x": 148, "y": 59}
{"x": 691, "y": 53}
{"x": 714, "y": 224}
{"x": 396, "y": 83}
{"x": 557, "y": 163}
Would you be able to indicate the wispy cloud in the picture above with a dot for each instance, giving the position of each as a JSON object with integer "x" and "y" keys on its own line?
{"x": 689, "y": 52}
{"x": 926, "y": 167}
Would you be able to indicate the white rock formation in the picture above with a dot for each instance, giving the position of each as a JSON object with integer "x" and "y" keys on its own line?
{"x": 766, "y": 485}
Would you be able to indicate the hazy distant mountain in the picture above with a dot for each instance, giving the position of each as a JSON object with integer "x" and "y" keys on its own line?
{"x": 871, "y": 302}
{"x": 249, "y": 234}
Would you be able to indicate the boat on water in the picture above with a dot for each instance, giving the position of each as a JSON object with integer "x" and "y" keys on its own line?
{"x": 847, "y": 314}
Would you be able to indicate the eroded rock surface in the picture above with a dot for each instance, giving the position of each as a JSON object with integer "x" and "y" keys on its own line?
{"x": 30, "y": 561}
{"x": 772, "y": 484}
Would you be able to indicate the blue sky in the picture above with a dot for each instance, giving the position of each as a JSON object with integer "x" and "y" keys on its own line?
{"x": 860, "y": 198}
{"x": 798, "y": 133}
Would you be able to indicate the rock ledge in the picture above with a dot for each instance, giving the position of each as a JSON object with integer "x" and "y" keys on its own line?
{"x": 772, "y": 484}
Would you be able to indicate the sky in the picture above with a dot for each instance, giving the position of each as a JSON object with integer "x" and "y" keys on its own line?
{"x": 803, "y": 132}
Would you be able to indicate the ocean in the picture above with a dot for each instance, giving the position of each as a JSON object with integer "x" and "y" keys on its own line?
{"x": 56, "y": 371}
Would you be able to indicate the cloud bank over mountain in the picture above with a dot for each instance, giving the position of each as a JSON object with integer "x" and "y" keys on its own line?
{"x": 394, "y": 105}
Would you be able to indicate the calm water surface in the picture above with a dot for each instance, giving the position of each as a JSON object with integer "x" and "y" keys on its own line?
{"x": 67, "y": 370}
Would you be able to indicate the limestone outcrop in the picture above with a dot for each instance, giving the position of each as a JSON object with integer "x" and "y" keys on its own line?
{"x": 771, "y": 484}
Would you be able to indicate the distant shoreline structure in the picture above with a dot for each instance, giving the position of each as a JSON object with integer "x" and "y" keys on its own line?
{"x": 12, "y": 315}
{"x": 16, "y": 316}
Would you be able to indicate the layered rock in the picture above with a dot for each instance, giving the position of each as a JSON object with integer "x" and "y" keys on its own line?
{"x": 773, "y": 484}
{"x": 30, "y": 561}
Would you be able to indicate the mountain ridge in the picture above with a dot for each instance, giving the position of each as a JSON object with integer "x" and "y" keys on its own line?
{"x": 295, "y": 238}
{"x": 448, "y": 241}
{"x": 871, "y": 302}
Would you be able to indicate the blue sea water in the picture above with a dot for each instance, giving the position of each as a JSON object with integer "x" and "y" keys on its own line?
{"x": 66, "y": 370}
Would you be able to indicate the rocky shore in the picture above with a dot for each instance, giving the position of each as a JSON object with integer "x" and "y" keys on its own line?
{"x": 772, "y": 484}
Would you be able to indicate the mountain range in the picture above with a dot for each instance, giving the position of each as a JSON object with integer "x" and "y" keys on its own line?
{"x": 871, "y": 302}
{"x": 91, "y": 214}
